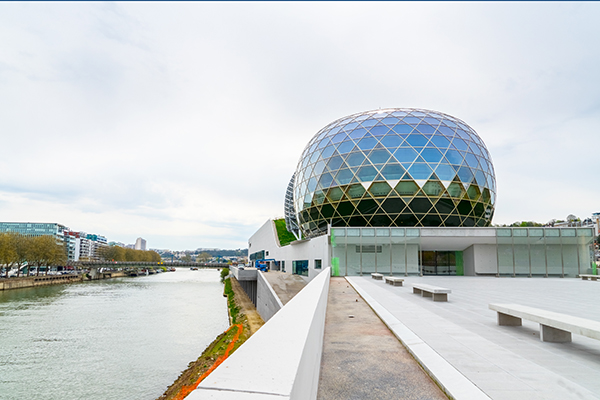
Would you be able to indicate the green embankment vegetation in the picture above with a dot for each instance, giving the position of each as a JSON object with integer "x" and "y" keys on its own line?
{"x": 234, "y": 309}
{"x": 285, "y": 236}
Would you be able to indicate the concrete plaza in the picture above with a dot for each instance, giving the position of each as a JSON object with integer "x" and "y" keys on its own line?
{"x": 503, "y": 362}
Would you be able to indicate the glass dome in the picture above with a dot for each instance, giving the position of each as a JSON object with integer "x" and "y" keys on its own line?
{"x": 394, "y": 167}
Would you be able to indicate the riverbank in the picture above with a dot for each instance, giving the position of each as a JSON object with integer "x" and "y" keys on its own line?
{"x": 42, "y": 280}
{"x": 45, "y": 280}
{"x": 244, "y": 322}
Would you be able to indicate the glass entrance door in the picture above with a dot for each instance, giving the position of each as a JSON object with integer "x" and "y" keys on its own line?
{"x": 438, "y": 262}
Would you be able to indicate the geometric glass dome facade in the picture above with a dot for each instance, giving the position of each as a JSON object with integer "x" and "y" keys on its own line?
{"x": 394, "y": 167}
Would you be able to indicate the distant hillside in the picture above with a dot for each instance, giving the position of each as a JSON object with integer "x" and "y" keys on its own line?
{"x": 223, "y": 252}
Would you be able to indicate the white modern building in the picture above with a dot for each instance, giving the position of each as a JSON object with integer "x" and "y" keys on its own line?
{"x": 561, "y": 252}
{"x": 140, "y": 244}
{"x": 408, "y": 192}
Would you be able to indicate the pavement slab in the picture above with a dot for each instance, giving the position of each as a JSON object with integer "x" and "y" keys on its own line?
{"x": 286, "y": 286}
{"x": 505, "y": 362}
{"x": 362, "y": 359}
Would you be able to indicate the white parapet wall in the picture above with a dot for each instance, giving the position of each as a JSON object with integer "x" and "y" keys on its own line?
{"x": 267, "y": 301}
{"x": 280, "y": 361}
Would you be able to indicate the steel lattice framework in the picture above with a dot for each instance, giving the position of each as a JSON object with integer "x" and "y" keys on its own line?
{"x": 394, "y": 167}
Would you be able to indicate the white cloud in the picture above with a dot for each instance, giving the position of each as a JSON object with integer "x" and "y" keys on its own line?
{"x": 183, "y": 122}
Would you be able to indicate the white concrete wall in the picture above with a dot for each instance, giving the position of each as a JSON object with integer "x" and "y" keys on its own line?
{"x": 469, "y": 261}
{"x": 244, "y": 274}
{"x": 314, "y": 249}
{"x": 267, "y": 301}
{"x": 280, "y": 361}
{"x": 485, "y": 259}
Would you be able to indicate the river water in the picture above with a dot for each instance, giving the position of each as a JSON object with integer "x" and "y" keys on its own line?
{"x": 123, "y": 338}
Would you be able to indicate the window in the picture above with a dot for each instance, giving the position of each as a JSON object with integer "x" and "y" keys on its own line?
{"x": 300, "y": 267}
{"x": 317, "y": 264}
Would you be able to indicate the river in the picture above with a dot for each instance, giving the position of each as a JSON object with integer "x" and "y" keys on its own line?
{"x": 123, "y": 338}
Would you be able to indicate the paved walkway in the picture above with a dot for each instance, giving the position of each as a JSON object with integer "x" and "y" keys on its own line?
{"x": 361, "y": 357}
{"x": 286, "y": 286}
{"x": 505, "y": 362}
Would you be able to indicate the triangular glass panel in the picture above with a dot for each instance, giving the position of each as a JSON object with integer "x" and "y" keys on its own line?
{"x": 433, "y": 188}
{"x": 392, "y": 171}
{"x": 379, "y": 189}
{"x": 403, "y": 128}
{"x": 369, "y": 123}
{"x": 420, "y": 171}
{"x": 455, "y": 190}
{"x": 420, "y": 205}
{"x": 390, "y": 141}
{"x": 446, "y": 184}
{"x": 355, "y": 191}
{"x": 379, "y": 156}
{"x": 390, "y": 121}
{"x": 379, "y": 130}
{"x": 393, "y": 182}
{"x": 346, "y": 147}
{"x": 406, "y": 188}
{"x": 445, "y": 172}
{"x": 474, "y": 192}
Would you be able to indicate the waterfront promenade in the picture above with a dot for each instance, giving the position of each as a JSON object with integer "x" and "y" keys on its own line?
{"x": 504, "y": 362}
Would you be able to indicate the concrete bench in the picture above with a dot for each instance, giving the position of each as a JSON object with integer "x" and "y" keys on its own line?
{"x": 554, "y": 327}
{"x": 436, "y": 292}
{"x": 377, "y": 276}
{"x": 394, "y": 280}
{"x": 585, "y": 277}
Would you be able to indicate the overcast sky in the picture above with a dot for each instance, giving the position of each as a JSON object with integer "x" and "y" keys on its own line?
{"x": 183, "y": 122}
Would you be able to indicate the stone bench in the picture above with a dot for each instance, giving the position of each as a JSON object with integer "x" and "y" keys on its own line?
{"x": 554, "y": 327}
{"x": 585, "y": 277}
{"x": 436, "y": 292}
{"x": 394, "y": 280}
{"x": 377, "y": 276}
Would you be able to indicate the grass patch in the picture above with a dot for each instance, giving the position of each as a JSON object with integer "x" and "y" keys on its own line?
{"x": 234, "y": 310}
{"x": 285, "y": 236}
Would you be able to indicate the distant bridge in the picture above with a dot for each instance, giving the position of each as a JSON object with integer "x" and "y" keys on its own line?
{"x": 145, "y": 264}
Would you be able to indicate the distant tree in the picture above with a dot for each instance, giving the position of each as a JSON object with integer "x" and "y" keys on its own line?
{"x": 204, "y": 257}
{"x": 8, "y": 254}
{"x": 23, "y": 246}
{"x": 45, "y": 251}
{"x": 525, "y": 224}
{"x": 112, "y": 253}
{"x": 154, "y": 256}
{"x": 187, "y": 258}
{"x": 572, "y": 218}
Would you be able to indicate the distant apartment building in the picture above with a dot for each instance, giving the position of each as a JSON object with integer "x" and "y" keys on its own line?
{"x": 87, "y": 246}
{"x": 78, "y": 245}
{"x": 34, "y": 228}
{"x": 140, "y": 244}
{"x": 59, "y": 231}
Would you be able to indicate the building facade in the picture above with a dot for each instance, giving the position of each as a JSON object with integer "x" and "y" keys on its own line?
{"x": 140, "y": 244}
{"x": 408, "y": 191}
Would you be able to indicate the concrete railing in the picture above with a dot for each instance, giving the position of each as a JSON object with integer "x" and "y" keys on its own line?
{"x": 244, "y": 274}
{"x": 280, "y": 361}
{"x": 267, "y": 301}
